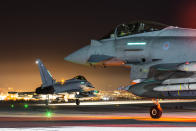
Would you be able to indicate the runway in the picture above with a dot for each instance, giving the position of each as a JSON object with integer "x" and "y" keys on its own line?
{"x": 99, "y": 114}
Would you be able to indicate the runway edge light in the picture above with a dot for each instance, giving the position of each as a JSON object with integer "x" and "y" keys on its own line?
{"x": 48, "y": 114}
{"x": 12, "y": 105}
{"x": 26, "y": 105}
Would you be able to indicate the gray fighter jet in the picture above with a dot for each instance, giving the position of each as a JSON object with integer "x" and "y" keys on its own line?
{"x": 162, "y": 59}
{"x": 78, "y": 85}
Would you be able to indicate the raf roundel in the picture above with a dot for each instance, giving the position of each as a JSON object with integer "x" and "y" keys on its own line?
{"x": 166, "y": 45}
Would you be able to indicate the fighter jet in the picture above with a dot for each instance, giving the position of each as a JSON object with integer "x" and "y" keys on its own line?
{"x": 162, "y": 58}
{"x": 78, "y": 85}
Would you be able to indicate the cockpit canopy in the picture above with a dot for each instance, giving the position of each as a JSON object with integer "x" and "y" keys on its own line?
{"x": 80, "y": 77}
{"x": 134, "y": 27}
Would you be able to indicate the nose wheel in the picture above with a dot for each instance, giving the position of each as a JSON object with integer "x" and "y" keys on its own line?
{"x": 155, "y": 113}
{"x": 156, "y": 110}
{"x": 77, "y": 102}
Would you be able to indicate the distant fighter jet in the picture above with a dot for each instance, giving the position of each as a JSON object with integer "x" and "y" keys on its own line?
{"x": 162, "y": 58}
{"x": 78, "y": 85}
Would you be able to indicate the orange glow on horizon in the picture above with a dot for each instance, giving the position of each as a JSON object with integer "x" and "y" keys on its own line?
{"x": 25, "y": 76}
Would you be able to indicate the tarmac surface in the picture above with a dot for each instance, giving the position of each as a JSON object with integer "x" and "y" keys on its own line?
{"x": 97, "y": 114}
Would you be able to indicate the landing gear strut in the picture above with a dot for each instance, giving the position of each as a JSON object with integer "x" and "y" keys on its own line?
{"x": 156, "y": 110}
{"x": 77, "y": 102}
{"x": 47, "y": 100}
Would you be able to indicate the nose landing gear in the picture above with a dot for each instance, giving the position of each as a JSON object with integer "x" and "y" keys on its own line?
{"x": 77, "y": 102}
{"x": 156, "y": 110}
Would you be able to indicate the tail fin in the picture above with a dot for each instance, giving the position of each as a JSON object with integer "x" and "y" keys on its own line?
{"x": 46, "y": 77}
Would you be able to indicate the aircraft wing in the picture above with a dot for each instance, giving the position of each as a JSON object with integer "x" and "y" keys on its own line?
{"x": 187, "y": 66}
{"x": 86, "y": 94}
{"x": 99, "y": 58}
{"x": 166, "y": 70}
{"x": 105, "y": 60}
{"x": 82, "y": 94}
{"x": 147, "y": 71}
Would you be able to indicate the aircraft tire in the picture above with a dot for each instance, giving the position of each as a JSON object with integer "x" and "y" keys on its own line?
{"x": 77, "y": 102}
{"x": 155, "y": 112}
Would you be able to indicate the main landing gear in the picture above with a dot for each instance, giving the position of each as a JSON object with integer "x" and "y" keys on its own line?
{"x": 77, "y": 102}
{"x": 156, "y": 110}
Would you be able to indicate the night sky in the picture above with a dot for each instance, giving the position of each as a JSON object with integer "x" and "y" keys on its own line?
{"x": 50, "y": 30}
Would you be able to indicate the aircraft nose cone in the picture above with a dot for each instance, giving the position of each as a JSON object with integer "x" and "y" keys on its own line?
{"x": 80, "y": 56}
{"x": 90, "y": 85}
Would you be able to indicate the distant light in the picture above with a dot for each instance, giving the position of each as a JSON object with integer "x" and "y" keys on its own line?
{"x": 26, "y": 105}
{"x": 37, "y": 62}
{"x": 48, "y": 114}
{"x": 95, "y": 91}
{"x": 12, "y": 105}
{"x": 136, "y": 43}
{"x": 62, "y": 81}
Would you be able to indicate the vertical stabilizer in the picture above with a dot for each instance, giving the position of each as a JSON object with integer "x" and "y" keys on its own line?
{"x": 46, "y": 77}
